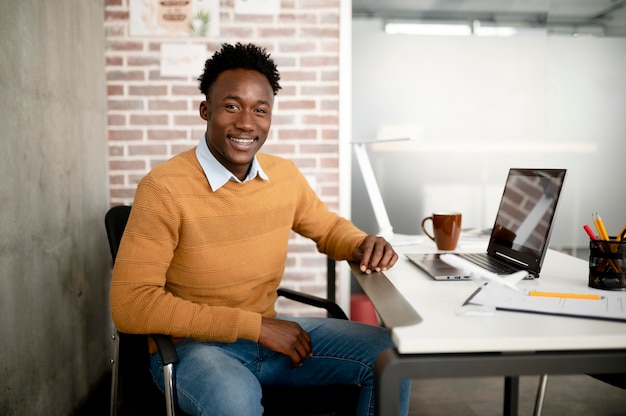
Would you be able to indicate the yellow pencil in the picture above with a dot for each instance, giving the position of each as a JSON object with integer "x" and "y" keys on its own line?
{"x": 600, "y": 227}
{"x": 565, "y": 295}
{"x": 601, "y": 224}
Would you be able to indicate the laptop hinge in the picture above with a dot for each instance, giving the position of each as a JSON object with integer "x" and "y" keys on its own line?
{"x": 512, "y": 260}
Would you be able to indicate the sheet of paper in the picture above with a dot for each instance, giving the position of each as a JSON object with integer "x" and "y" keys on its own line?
{"x": 610, "y": 305}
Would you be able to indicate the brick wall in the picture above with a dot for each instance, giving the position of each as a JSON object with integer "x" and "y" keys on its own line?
{"x": 151, "y": 117}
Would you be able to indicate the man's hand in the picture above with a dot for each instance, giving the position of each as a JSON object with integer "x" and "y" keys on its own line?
{"x": 287, "y": 338}
{"x": 375, "y": 254}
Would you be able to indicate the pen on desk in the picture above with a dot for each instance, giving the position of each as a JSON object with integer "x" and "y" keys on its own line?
{"x": 565, "y": 295}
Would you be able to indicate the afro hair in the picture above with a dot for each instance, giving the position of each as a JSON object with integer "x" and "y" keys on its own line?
{"x": 239, "y": 56}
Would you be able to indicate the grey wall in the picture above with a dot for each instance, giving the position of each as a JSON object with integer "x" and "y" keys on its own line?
{"x": 481, "y": 106}
{"x": 54, "y": 261}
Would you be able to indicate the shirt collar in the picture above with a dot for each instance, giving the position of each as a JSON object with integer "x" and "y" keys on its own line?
{"x": 217, "y": 174}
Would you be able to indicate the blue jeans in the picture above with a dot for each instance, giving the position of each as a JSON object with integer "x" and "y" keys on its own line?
{"x": 226, "y": 378}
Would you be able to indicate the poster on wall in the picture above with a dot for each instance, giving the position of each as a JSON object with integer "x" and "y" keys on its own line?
{"x": 182, "y": 60}
{"x": 185, "y": 18}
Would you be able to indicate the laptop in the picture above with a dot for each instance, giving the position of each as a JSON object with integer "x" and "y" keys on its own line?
{"x": 520, "y": 235}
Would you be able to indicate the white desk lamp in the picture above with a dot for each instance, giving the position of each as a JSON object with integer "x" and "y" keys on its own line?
{"x": 376, "y": 198}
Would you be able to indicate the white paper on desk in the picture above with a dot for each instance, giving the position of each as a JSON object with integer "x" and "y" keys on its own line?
{"x": 611, "y": 307}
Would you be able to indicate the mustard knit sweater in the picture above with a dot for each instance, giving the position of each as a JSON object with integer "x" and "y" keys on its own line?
{"x": 194, "y": 263}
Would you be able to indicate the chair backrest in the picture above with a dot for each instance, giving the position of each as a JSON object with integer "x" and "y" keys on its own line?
{"x": 115, "y": 221}
{"x": 134, "y": 374}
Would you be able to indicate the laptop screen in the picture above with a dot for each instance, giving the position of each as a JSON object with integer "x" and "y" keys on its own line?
{"x": 525, "y": 216}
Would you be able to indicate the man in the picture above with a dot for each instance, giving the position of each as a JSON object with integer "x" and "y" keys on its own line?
{"x": 205, "y": 249}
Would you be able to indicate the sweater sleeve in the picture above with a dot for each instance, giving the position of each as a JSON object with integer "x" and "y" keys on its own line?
{"x": 139, "y": 300}
{"x": 335, "y": 236}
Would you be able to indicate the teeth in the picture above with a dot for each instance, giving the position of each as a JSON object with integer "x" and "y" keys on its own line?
{"x": 242, "y": 141}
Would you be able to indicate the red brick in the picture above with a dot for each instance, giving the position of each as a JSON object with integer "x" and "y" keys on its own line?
{"x": 114, "y": 61}
{"x": 278, "y": 148}
{"x": 142, "y": 90}
{"x": 148, "y": 119}
{"x": 134, "y": 179}
{"x": 297, "y": 18}
{"x": 116, "y": 179}
{"x": 179, "y": 148}
{"x": 297, "y": 134}
{"x": 304, "y": 162}
{"x": 124, "y": 46}
{"x": 280, "y": 118}
{"x": 115, "y": 90}
{"x": 320, "y": 119}
{"x": 125, "y": 105}
{"x": 116, "y": 120}
{"x": 318, "y": 148}
{"x": 126, "y": 165}
{"x": 320, "y": 90}
{"x": 125, "y": 134}
{"x": 329, "y": 162}
{"x": 189, "y": 120}
{"x": 166, "y": 134}
{"x": 117, "y": 31}
{"x": 236, "y": 32}
{"x": 119, "y": 75}
{"x": 277, "y": 32}
{"x": 330, "y": 75}
{"x": 116, "y": 150}
{"x": 185, "y": 90}
{"x": 320, "y": 61}
{"x": 319, "y": 4}
{"x": 174, "y": 105}
{"x": 115, "y": 15}
{"x": 297, "y": 105}
{"x": 143, "y": 61}
{"x": 308, "y": 32}
{"x": 147, "y": 150}
{"x": 297, "y": 47}
{"x": 298, "y": 75}
{"x": 330, "y": 134}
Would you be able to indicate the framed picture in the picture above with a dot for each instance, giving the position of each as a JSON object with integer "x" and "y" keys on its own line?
{"x": 185, "y": 18}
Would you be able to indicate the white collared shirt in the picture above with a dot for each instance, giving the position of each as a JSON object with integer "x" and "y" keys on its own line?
{"x": 217, "y": 174}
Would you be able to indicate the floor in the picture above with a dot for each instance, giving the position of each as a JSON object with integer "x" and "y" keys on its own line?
{"x": 565, "y": 395}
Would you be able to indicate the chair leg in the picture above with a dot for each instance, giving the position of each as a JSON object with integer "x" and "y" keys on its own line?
{"x": 541, "y": 394}
{"x": 115, "y": 373}
{"x": 168, "y": 378}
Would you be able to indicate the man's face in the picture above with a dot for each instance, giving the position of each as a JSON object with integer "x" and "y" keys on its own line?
{"x": 238, "y": 113}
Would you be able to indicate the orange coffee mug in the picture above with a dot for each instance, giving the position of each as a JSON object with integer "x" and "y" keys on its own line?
{"x": 446, "y": 229}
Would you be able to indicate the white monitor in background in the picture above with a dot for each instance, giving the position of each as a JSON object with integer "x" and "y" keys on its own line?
{"x": 385, "y": 229}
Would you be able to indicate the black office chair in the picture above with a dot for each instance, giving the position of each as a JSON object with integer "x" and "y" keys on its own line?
{"x": 133, "y": 390}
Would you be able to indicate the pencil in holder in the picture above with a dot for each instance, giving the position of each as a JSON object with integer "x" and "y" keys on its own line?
{"x": 607, "y": 264}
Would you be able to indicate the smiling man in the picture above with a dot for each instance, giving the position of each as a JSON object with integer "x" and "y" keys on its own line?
{"x": 205, "y": 249}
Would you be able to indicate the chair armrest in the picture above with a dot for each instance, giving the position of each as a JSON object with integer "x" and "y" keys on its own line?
{"x": 166, "y": 348}
{"x": 331, "y": 307}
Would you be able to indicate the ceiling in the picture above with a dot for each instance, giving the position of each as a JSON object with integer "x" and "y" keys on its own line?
{"x": 610, "y": 14}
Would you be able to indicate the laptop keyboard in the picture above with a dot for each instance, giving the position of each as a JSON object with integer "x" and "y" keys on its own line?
{"x": 489, "y": 263}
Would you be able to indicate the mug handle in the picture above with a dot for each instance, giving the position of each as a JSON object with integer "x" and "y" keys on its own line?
{"x": 424, "y": 228}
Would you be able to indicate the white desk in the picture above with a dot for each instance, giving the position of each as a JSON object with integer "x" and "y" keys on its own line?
{"x": 432, "y": 340}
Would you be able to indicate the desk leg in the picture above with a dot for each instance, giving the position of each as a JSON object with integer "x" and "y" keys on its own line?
{"x": 389, "y": 371}
{"x": 511, "y": 396}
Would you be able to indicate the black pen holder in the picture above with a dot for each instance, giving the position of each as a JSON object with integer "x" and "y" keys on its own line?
{"x": 607, "y": 264}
